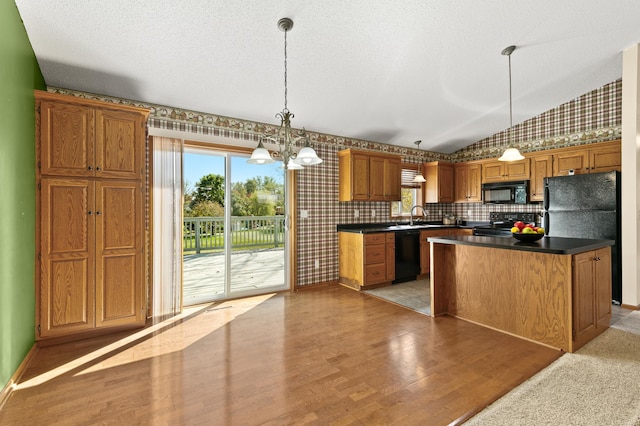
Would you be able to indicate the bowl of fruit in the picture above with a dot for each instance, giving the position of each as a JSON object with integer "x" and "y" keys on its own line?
{"x": 526, "y": 232}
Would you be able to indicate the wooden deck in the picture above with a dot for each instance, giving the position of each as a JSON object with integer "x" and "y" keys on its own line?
{"x": 203, "y": 274}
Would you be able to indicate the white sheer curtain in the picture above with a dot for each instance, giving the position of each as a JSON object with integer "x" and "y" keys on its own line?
{"x": 167, "y": 227}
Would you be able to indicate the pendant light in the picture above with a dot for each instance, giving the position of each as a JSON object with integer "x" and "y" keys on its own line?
{"x": 419, "y": 178}
{"x": 511, "y": 153}
{"x": 291, "y": 159}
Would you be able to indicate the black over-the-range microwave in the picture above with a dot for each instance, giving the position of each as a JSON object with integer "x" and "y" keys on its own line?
{"x": 505, "y": 192}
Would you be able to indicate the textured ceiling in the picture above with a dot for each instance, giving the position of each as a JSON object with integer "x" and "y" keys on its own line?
{"x": 386, "y": 71}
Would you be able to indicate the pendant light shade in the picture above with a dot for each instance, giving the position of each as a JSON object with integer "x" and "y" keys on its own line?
{"x": 511, "y": 153}
{"x": 260, "y": 155}
{"x": 418, "y": 178}
{"x": 307, "y": 156}
{"x": 292, "y": 165}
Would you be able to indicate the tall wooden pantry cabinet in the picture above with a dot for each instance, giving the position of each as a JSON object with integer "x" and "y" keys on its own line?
{"x": 90, "y": 174}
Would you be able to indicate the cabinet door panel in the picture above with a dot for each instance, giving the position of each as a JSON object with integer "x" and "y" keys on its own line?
{"x": 360, "y": 177}
{"x": 584, "y": 316}
{"x": 119, "y": 144}
{"x": 391, "y": 260}
{"x": 119, "y": 272}
{"x": 474, "y": 183}
{"x": 66, "y": 256}
{"x": 603, "y": 287}
{"x": 66, "y": 139}
{"x": 461, "y": 183}
{"x": 578, "y": 161}
{"x": 517, "y": 170}
{"x": 540, "y": 169}
{"x": 493, "y": 171}
{"x": 376, "y": 179}
{"x": 392, "y": 180}
{"x": 605, "y": 160}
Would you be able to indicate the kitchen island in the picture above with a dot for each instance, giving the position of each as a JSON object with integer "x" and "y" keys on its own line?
{"x": 556, "y": 291}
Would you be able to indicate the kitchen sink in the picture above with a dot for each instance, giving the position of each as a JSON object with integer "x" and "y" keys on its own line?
{"x": 417, "y": 226}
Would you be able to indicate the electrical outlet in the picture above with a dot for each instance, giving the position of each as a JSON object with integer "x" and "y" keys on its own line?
{"x": 356, "y": 213}
{"x": 304, "y": 214}
{"x": 373, "y": 213}
{"x": 317, "y": 264}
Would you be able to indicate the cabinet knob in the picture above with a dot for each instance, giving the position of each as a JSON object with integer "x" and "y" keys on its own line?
{"x": 98, "y": 169}
{"x": 596, "y": 258}
{"x": 90, "y": 168}
{"x": 89, "y": 212}
{"x": 99, "y": 213}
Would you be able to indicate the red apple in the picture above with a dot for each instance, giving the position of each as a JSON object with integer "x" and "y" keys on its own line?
{"x": 519, "y": 225}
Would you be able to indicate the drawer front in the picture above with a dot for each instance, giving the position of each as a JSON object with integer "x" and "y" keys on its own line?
{"x": 390, "y": 237}
{"x": 377, "y": 238}
{"x": 374, "y": 254}
{"x": 374, "y": 274}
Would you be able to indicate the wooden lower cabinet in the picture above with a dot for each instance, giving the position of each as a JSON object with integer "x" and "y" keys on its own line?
{"x": 91, "y": 266}
{"x": 591, "y": 294}
{"x": 366, "y": 260}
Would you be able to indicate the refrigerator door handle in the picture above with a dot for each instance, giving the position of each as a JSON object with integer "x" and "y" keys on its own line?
{"x": 545, "y": 205}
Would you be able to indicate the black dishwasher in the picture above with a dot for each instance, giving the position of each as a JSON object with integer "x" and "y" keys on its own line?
{"x": 407, "y": 256}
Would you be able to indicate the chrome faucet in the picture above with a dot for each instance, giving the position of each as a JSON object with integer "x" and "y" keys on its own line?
{"x": 424, "y": 213}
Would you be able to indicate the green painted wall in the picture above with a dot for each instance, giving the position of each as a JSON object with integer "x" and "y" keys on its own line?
{"x": 19, "y": 75}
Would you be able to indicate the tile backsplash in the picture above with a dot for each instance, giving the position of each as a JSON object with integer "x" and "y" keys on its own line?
{"x": 477, "y": 212}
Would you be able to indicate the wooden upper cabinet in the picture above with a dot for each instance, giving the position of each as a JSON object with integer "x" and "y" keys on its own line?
{"x": 376, "y": 179}
{"x": 393, "y": 179}
{"x": 541, "y": 167}
{"x": 498, "y": 171}
{"x": 467, "y": 182}
{"x": 353, "y": 170}
{"x": 66, "y": 135}
{"x": 439, "y": 187}
{"x": 602, "y": 157}
{"x": 365, "y": 176}
{"x": 605, "y": 159}
{"x": 575, "y": 159}
{"x": 116, "y": 156}
{"x": 85, "y": 138}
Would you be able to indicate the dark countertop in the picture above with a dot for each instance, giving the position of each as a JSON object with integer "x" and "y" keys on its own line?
{"x": 366, "y": 228}
{"x": 550, "y": 245}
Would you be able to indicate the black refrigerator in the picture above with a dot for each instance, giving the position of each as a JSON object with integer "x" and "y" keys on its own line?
{"x": 587, "y": 206}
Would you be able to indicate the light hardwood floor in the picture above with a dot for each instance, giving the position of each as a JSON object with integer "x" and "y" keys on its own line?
{"x": 321, "y": 356}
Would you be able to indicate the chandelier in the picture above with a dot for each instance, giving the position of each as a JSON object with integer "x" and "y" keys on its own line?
{"x": 511, "y": 153}
{"x": 284, "y": 137}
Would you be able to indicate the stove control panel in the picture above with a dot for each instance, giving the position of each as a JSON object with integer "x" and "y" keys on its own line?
{"x": 510, "y": 217}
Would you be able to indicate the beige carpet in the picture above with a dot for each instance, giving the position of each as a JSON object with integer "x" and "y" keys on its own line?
{"x": 412, "y": 294}
{"x": 597, "y": 385}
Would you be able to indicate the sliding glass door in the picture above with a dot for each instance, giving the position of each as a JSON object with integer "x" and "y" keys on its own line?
{"x": 233, "y": 226}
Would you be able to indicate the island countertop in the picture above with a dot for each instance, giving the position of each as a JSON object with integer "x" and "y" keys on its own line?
{"x": 367, "y": 228}
{"x": 549, "y": 245}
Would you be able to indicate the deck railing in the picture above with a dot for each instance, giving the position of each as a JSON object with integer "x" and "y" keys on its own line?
{"x": 207, "y": 233}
